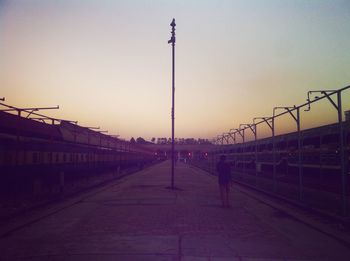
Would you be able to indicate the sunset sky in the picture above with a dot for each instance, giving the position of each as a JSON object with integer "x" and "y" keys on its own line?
{"x": 107, "y": 63}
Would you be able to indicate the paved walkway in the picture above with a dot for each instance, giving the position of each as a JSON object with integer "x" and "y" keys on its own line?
{"x": 137, "y": 218}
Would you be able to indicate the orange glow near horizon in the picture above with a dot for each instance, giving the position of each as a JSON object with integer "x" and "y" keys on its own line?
{"x": 108, "y": 64}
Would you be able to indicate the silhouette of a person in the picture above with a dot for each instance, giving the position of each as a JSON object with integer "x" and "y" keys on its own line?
{"x": 224, "y": 177}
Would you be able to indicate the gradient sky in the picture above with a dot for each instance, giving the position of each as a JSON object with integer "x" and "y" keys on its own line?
{"x": 108, "y": 64}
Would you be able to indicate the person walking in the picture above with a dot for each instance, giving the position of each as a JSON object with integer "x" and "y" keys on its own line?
{"x": 224, "y": 177}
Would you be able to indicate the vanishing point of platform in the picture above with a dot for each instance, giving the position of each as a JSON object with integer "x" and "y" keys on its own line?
{"x": 137, "y": 218}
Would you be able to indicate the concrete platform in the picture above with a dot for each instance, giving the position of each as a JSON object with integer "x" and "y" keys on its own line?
{"x": 138, "y": 218}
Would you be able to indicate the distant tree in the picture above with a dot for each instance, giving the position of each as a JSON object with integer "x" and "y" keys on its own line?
{"x": 159, "y": 140}
{"x": 203, "y": 141}
{"x": 162, "y": 140}
{"x": 140, "y": 140}
{"x": 153, "y": 140}
{"x": 132, "y": 140}
{"x": 190, "y": 141}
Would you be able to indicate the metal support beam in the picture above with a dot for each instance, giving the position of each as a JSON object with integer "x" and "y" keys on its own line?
{"x": 256, "y": 150}
{"x": 232, "y": 137}
{"x": 300, "y": 156}
{"x": 266, "y": 120}
{"x": 245, "y": 126}
{"x": 28, "y": 110}
{"x": 226, "y": 137}
{"x": 331, "y": 101}
{"x": 274, "y": 144}
{"x": 44, "y": 118}
{"x": 240, "y": 134}
{"x": 342, "y": 153}
{"x": 274, "y": 149}
{"x": 300, "y": 166}
{"x": 272, "y": 127}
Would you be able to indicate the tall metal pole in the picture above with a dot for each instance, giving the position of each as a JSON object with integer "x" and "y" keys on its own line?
{"x": 300, "y": 167}
{"x": 256, "y": 152}
{"x": 342, "y": 152}
{"x": 172, "y": 41}
{"x": 274, "y": 151}
{"x": 243, "y": 150}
